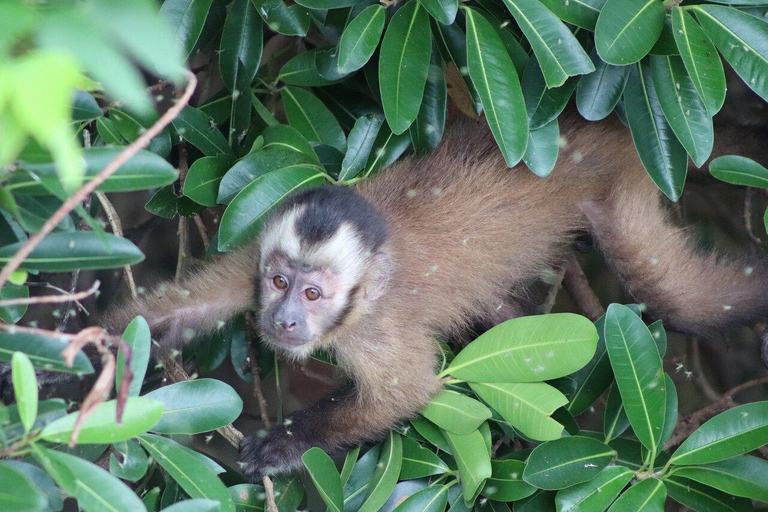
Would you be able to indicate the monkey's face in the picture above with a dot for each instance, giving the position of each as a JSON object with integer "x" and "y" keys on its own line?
{"x": 300, "y": 303}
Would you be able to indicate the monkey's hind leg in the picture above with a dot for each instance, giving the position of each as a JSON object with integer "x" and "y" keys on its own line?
{"x": 695, "y": 293}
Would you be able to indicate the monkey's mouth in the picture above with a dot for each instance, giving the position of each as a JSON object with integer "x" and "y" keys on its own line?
{"x": 284, "y": 341}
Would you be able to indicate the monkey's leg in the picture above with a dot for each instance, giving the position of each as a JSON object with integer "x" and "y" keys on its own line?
{"x": 692, "y": 292}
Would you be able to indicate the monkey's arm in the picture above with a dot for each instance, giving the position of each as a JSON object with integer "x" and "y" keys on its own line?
{"x": 198, "y": 305}
{"x": 388, "y": 389}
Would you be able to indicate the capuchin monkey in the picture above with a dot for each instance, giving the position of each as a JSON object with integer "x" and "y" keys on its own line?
{"x": 372, "y": 273}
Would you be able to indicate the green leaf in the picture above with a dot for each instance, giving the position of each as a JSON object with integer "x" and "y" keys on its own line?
{"x": 361, "y": 37}
{"x": 670, "y": 417}
{"x": 452, "y": 45}
{"x": 291, "y": 21}
{"x": 404, "y": 65}
{"x": 431, "y": 433}
{"x": 167, "y": 204}
{"x": 213, "y": 349}
{"x": 739, "y": 170}
{"x": 433, "y": 498}
{"x": 108, "y": 131}
{"x": 419, "y": 462}
{"x": 645, "y": 496}
{"x": 132, "y": 464}
{"x": 494, "y": 75}
{"x": 302, "y": 70}
{"x": 527, "y": 349}
{"x": 527, "y": 407}
{"x": 473, "y": 460}
{"x": 594, "y": 378}
{"x": 566, "y": 461}
{"x": 359, "y": 145}
{"x": 43, "y": 351}
{"x": 598, "y": 92}
{"x": 203, "y": 178}
{"x": 358, "y": 482}
{"x": 131, "y": 128}
{"x": 595, "y": 494}
{"x": 247, "y": 497}
{"x": 101, "y": 426}
{"x": 702, "y": 498}
{"x": 84, "y": 107}
{"x": 325, "y": 477}
{"x": 743, "y": 41}
{"x": 248, "y": 210}
{"x": 81, "y": 250}
{"x": 287, "y": 138}
{"x": 427, "y": 130}
{"x": 193, "y": 476}
{"x": 543, "y": 147}
{"x": 19, "y": 493}
{"x": 506, "y": 482}
{"x": 744, "y": 476}
{"x": 639, "y": 376}
{"x": 701, "y": 60}
{"x": 627, "y": 30}
{"x": 384, "y": 479}
{"x": 12, "y": 314}
{"x": 660, "y": 152}
{"x": 615, "y": 421}
{"x": 557, "y": 49}
{"x": 311, "y": 118}
{"x": 455, "y": 412}
{"x": 196, "y": 127}
{"x": 682, "y": 107}
{"x": 582, "y": 13}
{"x": 443, "y": 11}
{"x": 24, "y": 389}
{"x": 196, "y": 505}
{"x": 387, "y": 148}
{"x": 139, "y": 340}
{"x": 241, "y": 44}
{"x": 543, "y": 104}
{"x": 196, "y": 406}
{"x": 186, "y": 18}
{"x": 730, "y": 433}
{"x": 143, "y": 171}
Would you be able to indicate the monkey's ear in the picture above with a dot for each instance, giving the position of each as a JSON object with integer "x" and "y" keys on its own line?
{"x": 377, "y": 275}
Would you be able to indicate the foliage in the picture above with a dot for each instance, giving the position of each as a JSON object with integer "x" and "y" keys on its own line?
{"x": 332, "y": 91}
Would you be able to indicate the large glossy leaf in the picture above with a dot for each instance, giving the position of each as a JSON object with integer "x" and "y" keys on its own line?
{"x": 143, "y": 171}
{"x": 186, "y": 18}
{"x": 139, "y": 340}
{"x": 361, "y": 37}
{"x": 427, "y": 130}
{"x": 598, "y": 92}
{"x": 287, "y": 138}
{"x": 528, "y": 349}
{"x": 384, "y": 479}
{"x": 289, "y": 20}
{"x": 430, "y": 499}
{"x": 431, "y": 433}
{"x": 197, "y": 480}
{"x": 595, "y": 494}
{"x": 702, "y": 498}
{"x": 302, "y": 70}
{"x": 543, "y": 147}
{"x": 131, "y": 127}
{"x": 473, "y": 460}
{"x": 81, "y": 250}
{"x": 455, "y": 412}
{"x": 743, "y": 41}
{"x": 196, "y": 406}
{"x": 701, "y": 60}
{"x": 526, "y": 406}
{"x": 359, "y": 145}
{"x": 419, "y": 462}
{"x": 95, "y": 489}
{"x": 194, "y": 126}
{"x": 627, "y": 30}
{"x": 325, "y": 477}
{"x": 639, "y": 376}
{"x": 645, "y": 496}
{"x": 661, "y": 153}
{"x": 241, "y": 44}
{"x": 733, "y": 432}
{"x": 101, "y": 426}
{"x": 594, "y": 378}
{"x": 506, "y": 481}
{"x": 248, "y": 210}
{"x": 12, "y": 314}
{"x": 739, "y": 170}
{"x": 682, "y": 107}
{"x": 744, "y": 476}
{"x": 43, "y": 351}
{"x": 566, "y": 461}
{"x": 24, "y": 389}
{"x": 18, "y": 493}
{"x": 582, "y": 13}
{"x": 84, "y": 107}
{"x": 311, "y": 118}
{"x": 452, "y": 45}
{"x": 359, "y": 479}
{"x": 557, "y": 50}
{"x": 203, "y": 178}
{"x": 404, "y": 65}
{"x": 132, "y": 463}
{"x": 542, "y": 103}
{"x": 443, "y": 11}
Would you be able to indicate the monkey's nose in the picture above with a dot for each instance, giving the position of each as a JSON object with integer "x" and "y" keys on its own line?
{"x": 287, "y": 325}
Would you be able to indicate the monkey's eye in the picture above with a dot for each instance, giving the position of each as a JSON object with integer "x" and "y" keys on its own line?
{"x": 280, "y": 282}
{"x": 312, "y": 293}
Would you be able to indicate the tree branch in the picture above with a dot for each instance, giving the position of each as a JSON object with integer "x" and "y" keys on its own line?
{"x": 577, "y": 286}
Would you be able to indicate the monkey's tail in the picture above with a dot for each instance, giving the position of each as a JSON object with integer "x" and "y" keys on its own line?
{"x": 691, "y": 291}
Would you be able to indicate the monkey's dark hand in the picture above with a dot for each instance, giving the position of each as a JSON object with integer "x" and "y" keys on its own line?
{"x": 276, "y": 451}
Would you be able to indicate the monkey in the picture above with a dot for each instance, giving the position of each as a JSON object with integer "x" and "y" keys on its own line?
{"x": 373, "y": 272}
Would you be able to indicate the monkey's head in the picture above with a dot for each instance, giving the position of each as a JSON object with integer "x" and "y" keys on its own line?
{"x": 323, "y": 261}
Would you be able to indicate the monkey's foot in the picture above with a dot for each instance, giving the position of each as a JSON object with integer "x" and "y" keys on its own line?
{"x": 271, "y": 453}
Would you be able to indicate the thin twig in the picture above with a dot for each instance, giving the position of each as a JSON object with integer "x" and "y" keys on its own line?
{"x": 51, "y": 299}
{"x": 203, "y": 232}
{"x": 701, "y": 377}
{"x": 88, "y": 188}
{"x": 577, "y": 286}
{"x": 117, "y": 229}
{"x": 748, "y": 217}
{"x": 183, "y": 255}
